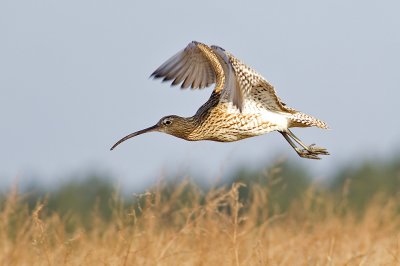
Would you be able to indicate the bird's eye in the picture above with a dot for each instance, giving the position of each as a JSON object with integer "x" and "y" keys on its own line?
{"x": 167, "y": 122}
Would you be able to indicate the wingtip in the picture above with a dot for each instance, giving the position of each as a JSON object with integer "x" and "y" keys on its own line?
{"x": 155, "y": 75}
{"x": 239, "y": 107}
{"x": 216, "y": 47}
{"x": 237, "y": 100}
{"x": 196, "y": 43}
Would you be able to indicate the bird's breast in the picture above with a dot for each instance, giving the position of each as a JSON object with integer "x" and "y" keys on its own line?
{"x": 226, "y": 123}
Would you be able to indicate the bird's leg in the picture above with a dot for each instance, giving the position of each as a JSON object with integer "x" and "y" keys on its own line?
{"x": 302, "y": 153}
{"x": 311, "y": 148}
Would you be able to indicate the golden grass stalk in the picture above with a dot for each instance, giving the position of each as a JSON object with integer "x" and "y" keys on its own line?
{"x": 188, "y": 227}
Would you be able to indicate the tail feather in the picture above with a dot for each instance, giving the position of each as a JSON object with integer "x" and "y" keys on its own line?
{"x": 303, "y": 120}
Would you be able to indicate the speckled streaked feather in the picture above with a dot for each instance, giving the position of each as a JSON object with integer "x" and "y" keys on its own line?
{"x": 199, "y": 65}
{"x": 243, "y": 104}
{"x": 220, "y": 121}
{"x": 215, "y": 64}
{"x": 254, "y": 85}
{"x": 303, "y": 120}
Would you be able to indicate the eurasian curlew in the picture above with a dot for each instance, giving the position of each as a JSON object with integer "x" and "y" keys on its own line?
{"x": 243, "y": 104}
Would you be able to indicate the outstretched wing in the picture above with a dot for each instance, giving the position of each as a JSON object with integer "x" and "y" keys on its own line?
{"x": 198, "y": 66}
{"x": 189, "y": 67}
{"x": 233, "y": 92}
{"x": 255, "y": 87}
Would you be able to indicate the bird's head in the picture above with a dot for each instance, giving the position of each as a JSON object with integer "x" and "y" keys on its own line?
{"x": 172, "y": 124}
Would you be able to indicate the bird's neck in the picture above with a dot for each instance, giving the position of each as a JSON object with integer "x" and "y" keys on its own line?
{"x": 193, "y": 125}
{"x": 195, "y": 130}
{"x": 186, "y": 130}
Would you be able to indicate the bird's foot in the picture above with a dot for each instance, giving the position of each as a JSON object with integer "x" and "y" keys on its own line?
{"x": 312, "y": 152}
{"x": 317, "y": 150}
{"x": 307, "y": 154}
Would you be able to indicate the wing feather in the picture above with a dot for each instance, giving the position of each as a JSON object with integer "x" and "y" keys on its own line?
{"x": 175, "y": 68}
{"x": 195, "y": 71}
{"x": 189, "y": 66}
{"x": 203, "y": 82}
{"x": 253, "y": 85}
{"x": 232, "y": 89}
{"x": 183, "y": 73}
{"x": 199, "y": 66}
{"x": 189, "y": 75}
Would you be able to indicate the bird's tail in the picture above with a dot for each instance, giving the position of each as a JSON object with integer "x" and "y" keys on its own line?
{"x": 303, "y": 120}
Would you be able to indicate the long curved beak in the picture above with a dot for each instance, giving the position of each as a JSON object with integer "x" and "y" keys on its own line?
{"x": 146, "y": 130}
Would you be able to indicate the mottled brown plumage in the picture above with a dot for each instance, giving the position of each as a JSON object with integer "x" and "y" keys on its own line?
{"x": 243, "y": 104}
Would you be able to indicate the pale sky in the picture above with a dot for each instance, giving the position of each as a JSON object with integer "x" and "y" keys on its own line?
{"x": 74, "y": 78}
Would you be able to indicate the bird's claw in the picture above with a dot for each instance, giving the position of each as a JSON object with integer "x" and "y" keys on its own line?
{"x": 312, "y": 152}
{"x": 308, "y": 154}
{"x": 317, "y": 150}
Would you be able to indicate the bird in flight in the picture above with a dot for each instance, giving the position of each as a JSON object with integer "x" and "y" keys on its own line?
{"x": 243, "y": 104}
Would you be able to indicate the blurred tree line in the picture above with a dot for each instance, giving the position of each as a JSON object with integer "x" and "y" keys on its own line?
{"x": 285, "y": 183}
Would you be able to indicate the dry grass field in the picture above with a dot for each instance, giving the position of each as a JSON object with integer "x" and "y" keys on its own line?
{"x": 189, "y": 227}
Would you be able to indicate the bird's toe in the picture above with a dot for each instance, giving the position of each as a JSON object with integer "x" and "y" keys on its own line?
{"x": 318, "y": 150}
{"x": 307, "y": 154}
